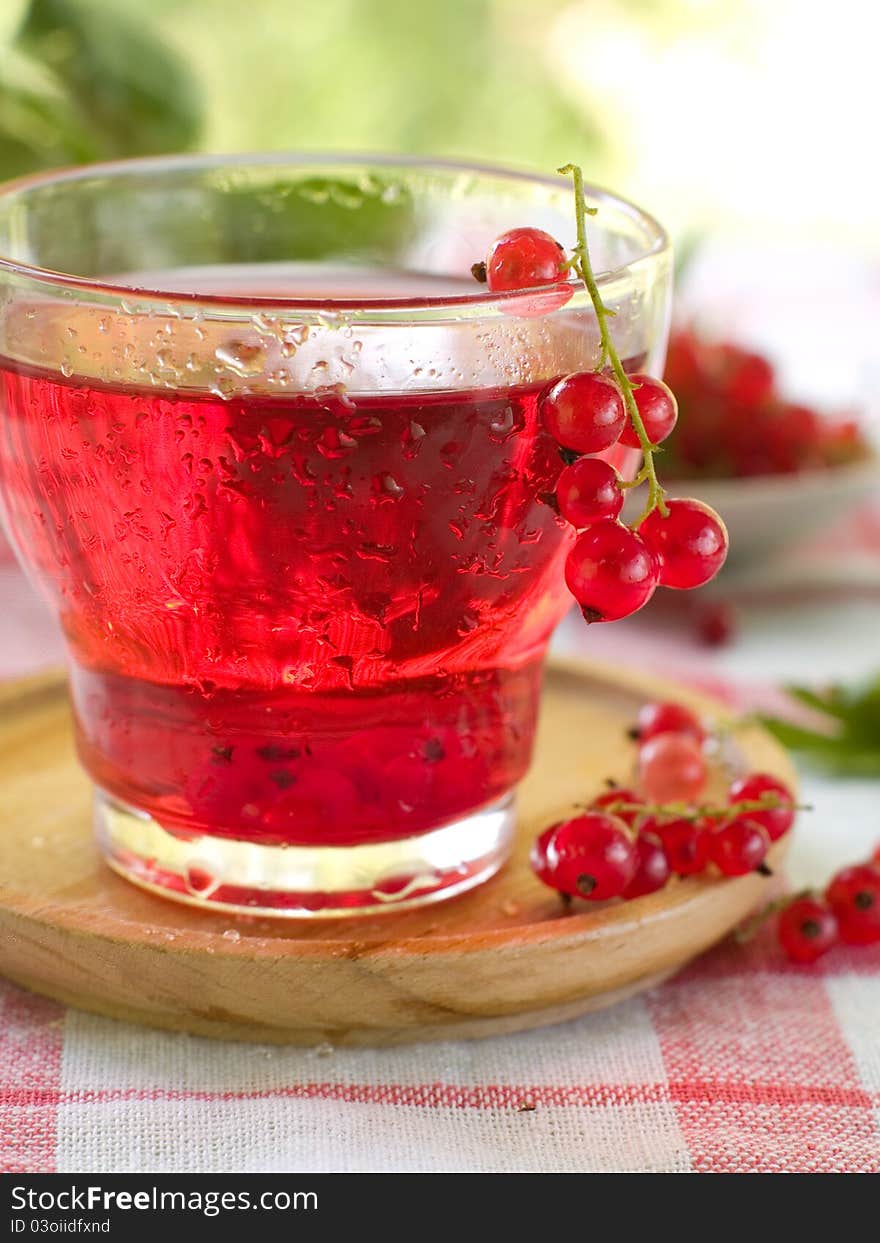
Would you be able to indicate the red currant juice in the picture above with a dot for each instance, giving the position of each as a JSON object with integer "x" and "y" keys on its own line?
{"x": 299, "y": 619}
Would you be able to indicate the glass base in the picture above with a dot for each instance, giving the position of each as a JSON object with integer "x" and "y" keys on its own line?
{"x": 223, "y": 874}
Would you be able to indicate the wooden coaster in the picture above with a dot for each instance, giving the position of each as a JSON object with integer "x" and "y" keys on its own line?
{"x": 504, "y": 957}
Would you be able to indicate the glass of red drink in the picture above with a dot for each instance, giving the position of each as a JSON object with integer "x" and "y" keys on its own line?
{"x": 275, "y": 459}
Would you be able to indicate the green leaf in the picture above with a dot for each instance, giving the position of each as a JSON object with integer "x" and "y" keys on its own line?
{"x": 39, "y": 126}
{"x": 456, "y": 79}
{"x": 305, "y": 219}
{"x": 850, "y": 745}
{"x": 12, "y": 14}
{"x": 135, "y": 95}
{"x": 826, "y": 703}
{"x": 836, "y": 755}
{"x": 863, "y": 712}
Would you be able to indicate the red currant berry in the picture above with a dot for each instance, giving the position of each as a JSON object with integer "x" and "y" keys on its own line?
{"x": 806, "y": 929}
{"x": 652, "y": 867}
{"x": 685, "y": 844}
{"x": 538, "y": 855}
{"x": 854, "y": 897}
{"x": 648, "y": 823}
{"x": 716, "y": 624}
{"x": 672, "y": 768}
{"x": 776, "y": 820}
{"x": 588, "y": 491}
{"x": 668, "y": 718}
{"x": 690, "y": 543}
{"x": 316, "y": 795}
{"x": 591, "y": 856}
{"x": 610, "y": 572}
{"x": 658, "y": 408}
{"x": 611, "y": 800}
{"x": 739, "y": 847}
{"x": 524, "y": 259}
{"x": 584, "y": 412}
{"x": 750, "y": 379}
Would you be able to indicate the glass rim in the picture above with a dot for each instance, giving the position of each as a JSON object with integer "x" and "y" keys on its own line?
{"x": 480, "y": 298}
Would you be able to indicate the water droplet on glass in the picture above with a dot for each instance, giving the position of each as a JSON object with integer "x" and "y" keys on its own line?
{"x": 223, "y": 386}
{"x": 243, "y": 358}
{"x": 504, "y": 424}
{"x": 401, "y": 885}
{"x": 333, "y": 443}
{"x": 387, "y": 485}
{"x": 412, "y": 439}
{"x": 292, "y": 339}
{"x": 200, "y": 881}
{"x": 231, "y": 934}
{"x": 264, "y": 323}
{"x": 298, "y": 675}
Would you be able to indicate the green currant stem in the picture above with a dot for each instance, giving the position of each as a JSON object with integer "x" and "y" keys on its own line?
{"x": 747, "y": 931}
{"x": 683, "y": 811}
{"x": 583, "y": 267}
{"x": 634, "y": 483}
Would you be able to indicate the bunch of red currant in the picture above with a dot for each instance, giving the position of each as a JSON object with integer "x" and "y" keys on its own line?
{"x": 612, "y": 569}
{"x": 736, "y": 423}
{"x": 849, "y": 910}
{"x": 629, "y": 842}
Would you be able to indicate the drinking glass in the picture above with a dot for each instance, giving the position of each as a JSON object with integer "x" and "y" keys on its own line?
{"x": 276, "y": 460}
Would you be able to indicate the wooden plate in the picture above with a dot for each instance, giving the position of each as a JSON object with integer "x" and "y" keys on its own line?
{"x": 501, "y": 958}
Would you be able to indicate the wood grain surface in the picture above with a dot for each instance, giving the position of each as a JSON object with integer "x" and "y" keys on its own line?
{"x": 504, "y": 957}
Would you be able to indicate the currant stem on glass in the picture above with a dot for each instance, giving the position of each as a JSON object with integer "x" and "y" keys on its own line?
{"x": 580, "y": 263}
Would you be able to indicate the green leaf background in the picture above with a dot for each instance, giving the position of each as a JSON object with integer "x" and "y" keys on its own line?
{"x": 850, "y": 745}
{"x": 84, "y": 80}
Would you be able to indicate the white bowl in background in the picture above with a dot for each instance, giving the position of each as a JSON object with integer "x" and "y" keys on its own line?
{"x": 766, "y": 513}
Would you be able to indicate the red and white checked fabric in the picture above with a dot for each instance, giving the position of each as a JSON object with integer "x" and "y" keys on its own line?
{"x": 742, "y": 1063}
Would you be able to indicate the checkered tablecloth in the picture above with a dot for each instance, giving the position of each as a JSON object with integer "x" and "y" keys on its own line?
{"x": 741, "y": 1063}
